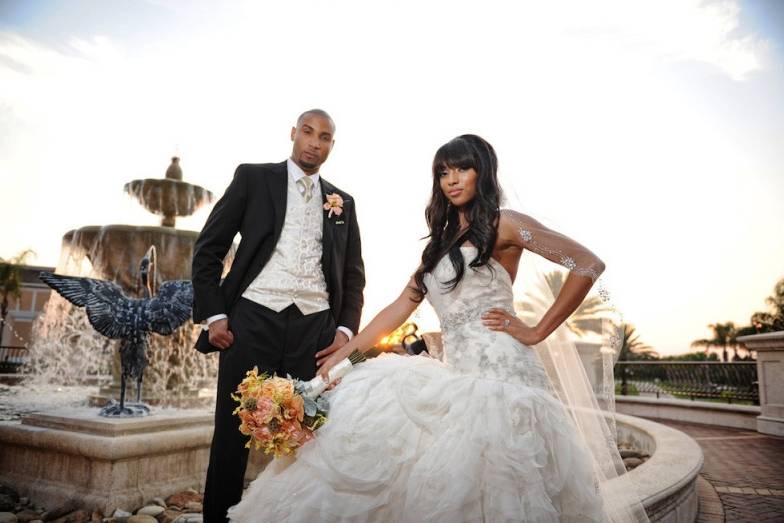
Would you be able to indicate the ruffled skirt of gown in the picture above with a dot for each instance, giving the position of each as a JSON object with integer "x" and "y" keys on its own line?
{"x": 411, "y": 439}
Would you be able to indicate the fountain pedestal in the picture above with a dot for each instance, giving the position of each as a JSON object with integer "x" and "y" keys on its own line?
{"x": 105, "y": 463}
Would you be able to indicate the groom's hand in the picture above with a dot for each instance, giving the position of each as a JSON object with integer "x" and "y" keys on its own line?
{"x": 340, "y": 340}
{"x": 220, "y": 335}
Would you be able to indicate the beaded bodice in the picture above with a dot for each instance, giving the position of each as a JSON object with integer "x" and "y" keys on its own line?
{"x": 469, "y": 346}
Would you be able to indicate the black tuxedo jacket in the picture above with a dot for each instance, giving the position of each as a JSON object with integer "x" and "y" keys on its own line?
{"x": 255, "y": 206}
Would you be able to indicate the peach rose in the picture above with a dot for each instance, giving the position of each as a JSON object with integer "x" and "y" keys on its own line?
{"x": 334, "y": 204}
{"x": 266, "y": 409}
{"x": 294, "y": 408}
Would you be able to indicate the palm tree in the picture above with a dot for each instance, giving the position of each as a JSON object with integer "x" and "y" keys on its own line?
{"x": 773, "y": 320}
{"x": 583, "y": 320}
{"x": 768, "y": 321}
{"x": 632, "y": 348}
{"x": 10, "y": 283}
{"x": 776, "y": 302}
{"x": 724, "y": 336}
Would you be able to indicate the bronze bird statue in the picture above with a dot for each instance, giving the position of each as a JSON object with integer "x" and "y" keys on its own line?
{"x": 130, "y": 320}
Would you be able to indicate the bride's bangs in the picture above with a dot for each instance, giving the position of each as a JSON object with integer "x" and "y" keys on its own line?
{"x": 455, "y": 154}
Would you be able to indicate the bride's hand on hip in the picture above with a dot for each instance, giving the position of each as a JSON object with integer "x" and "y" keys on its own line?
{"x": 500, "y": 320}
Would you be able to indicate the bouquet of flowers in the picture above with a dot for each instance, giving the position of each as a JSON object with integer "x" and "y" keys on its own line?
{"x": 281, "y": 414}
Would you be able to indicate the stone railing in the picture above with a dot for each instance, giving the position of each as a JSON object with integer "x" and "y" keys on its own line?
{"x": 12, "y": 359}
{"x": 711, "y": 380}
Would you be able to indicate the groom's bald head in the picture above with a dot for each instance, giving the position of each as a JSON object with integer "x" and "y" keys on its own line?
{"x": 321, "y": 113}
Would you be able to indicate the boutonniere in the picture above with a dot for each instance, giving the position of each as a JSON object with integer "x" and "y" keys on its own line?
{"x": 334, "y": 205}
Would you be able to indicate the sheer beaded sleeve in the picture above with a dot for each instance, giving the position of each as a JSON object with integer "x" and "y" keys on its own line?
{"x": 555, "y": 246}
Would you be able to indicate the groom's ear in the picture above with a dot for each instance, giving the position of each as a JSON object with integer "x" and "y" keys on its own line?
{"x": 293, "y": 132}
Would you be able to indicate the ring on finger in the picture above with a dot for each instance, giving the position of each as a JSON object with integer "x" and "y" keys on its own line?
{"x": 507, "y": 322}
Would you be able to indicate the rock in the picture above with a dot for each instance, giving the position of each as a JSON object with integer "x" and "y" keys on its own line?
{"x": 631, "y": 463}
{"x": 142, "y": 518}
{"x": 59, "y": 511}
{"x": 169, "y": 515}
{"x": 7, "y": 503}
{"x": 194, "y": 506}
{"x": 8, "y": 491}
{"x": 630, "y": 453}
{"x": 96, "y": 516}
{"x": 27, "y": 515}
{"x": 150, "y": 510}
{"x": 182, "y": 498}
{"x": 24, "y": 501}
{"x": 121, "y": 516}
{"x": 190, "y": 518}
{"x": 158, "y": 501}
{"x": 7, "y": 517}
{"x": 78, "y": 516}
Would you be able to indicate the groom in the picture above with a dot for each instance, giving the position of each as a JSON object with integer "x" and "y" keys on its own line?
{"x": 294, "y": 288}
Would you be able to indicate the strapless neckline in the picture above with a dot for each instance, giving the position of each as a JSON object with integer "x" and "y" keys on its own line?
{"x": 491, "y": 260}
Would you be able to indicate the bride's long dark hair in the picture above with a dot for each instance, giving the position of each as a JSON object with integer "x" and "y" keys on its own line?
{"x": 482, "y": 212}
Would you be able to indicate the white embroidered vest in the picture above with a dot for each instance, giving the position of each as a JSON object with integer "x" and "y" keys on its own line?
{"x": 293, "y": 274}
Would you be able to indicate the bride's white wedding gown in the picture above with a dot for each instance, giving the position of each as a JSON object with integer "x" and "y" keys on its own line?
{"x": 477, "y": 437}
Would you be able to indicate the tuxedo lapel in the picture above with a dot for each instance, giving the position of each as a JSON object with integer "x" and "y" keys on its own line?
{"x": 327, "y": 229}
{"x": 278, "y": 188}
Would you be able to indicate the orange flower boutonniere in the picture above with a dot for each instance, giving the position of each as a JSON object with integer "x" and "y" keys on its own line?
{"x": 334, "y": 205}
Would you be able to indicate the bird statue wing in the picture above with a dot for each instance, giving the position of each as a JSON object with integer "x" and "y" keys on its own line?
{"x": 170, "y": 307}
{"x": 107, "y": 307}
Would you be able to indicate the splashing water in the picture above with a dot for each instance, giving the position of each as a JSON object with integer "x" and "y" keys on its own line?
{"x": 67, "y": 351}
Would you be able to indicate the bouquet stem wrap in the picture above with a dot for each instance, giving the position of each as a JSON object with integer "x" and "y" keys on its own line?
{"x": 318, "y": 385}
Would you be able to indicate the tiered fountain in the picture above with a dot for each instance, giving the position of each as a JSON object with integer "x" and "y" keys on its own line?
{"x": 114, "y": 251}
{"x": 71, "y": 453}
{"x": 66, "y": 350}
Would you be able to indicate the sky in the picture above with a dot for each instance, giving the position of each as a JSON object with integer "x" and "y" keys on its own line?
{"x": 651, "y": 132}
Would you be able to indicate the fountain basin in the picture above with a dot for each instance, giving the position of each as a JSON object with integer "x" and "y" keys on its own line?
{"x": 114, "y": 251}
{"x": 169, "y": 197}
{"x": 123, "y": 463}
{"x": 667, "y": 482}
{"x": 104, "y": 463}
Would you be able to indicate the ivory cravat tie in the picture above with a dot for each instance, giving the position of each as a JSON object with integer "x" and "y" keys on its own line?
{"x": 305, "y": 185}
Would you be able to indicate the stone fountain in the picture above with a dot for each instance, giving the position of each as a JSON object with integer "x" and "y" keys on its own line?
{"x": 71, "y": 453}
{"x": 112, "y": 252}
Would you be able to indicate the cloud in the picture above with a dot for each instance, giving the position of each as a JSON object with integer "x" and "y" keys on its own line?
{"x": 673, "y": 31}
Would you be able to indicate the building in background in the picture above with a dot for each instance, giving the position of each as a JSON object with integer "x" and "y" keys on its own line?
{"x": 23, "y": 311}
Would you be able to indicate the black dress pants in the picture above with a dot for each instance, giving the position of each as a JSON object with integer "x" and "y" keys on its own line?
{"x": 283, "y": 343}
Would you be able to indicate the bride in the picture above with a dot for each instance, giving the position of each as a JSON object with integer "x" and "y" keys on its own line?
{"x": 483, "y": 435}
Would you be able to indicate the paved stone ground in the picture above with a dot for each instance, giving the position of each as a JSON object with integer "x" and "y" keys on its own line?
{"x": 745, "y": 471}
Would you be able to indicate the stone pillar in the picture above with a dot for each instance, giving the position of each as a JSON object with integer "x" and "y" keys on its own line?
{"x": 590, "y": 353}
{"x": 770, "y": 373}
